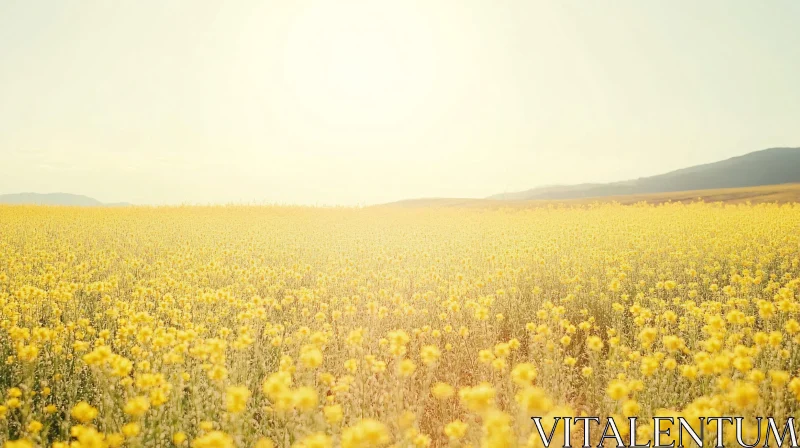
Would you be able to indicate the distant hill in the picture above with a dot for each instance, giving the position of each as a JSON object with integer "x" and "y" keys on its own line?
{"x": 782, "y": 193}
{"x": 768, "y": 167}
{"x": 53, "y": 199}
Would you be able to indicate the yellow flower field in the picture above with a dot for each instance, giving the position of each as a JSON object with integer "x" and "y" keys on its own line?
{"x": 267, "y": 326}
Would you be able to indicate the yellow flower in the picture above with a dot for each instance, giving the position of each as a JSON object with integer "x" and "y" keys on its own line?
{"x": 672, "y": 343}
{"x": 502, "y": 350}
{"x": 649, "y": 365}
{"x": 486, "y": 356}
{"x": 631, "y": 408}
{"x": 778, "y": 377}
{"x": 617, "y": 390}
{"x": 217, "y": 373}
{"x": 499, "y": 364}
{"x": 351, "y": 365}
{"x": 27, "y": 353}
{"x": 744, "y": 395}
{"x": 277, "y": 384}
{"x": 689, "y": 372}
{"x": 406, "y": 368}
{"x": 478, "y": 398}
{"x": 326, "y": 378}
{"x": 213, "y": 439}
{"x": 83, "y": 412}
{"x": 178, "y": 438}
{"x": 367, "y": 433}
{"x": 311, "y": 357}
{"x": 430, "y": 354}
{"x": 497, "y": 429}
{"x": 34, "y": 426}
{"x": 421, "y": 441}
{"x": 115, "y": 440}
{"x": 455, "y": 430}
{"x": 20, "y": 443}
{"x": 305, "y": 399}
{"x": 523, "y": 374}
{"x": 594, "y": 343}
{"x": 87, "y": 436}
{"x": 533, "y": 400}
{"x": 794, "y": 387}
{"x": 316, "y": 440}
{"x": 236, "y": 398}
{"x": 264, "y": 442}
{"x": 131, "y": 429}
{"x": 137, "y": 406}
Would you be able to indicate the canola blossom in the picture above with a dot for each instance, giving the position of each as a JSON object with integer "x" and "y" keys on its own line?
{"x": 310, "y": 327}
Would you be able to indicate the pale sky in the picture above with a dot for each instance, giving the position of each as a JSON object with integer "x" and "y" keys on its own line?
{"x": 362, "y": 102}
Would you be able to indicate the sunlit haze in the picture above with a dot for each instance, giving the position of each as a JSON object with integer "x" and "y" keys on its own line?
{"x": 363, "y": 102}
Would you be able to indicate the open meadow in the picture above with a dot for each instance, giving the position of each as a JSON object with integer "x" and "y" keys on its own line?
{"x": 317, "y": 327}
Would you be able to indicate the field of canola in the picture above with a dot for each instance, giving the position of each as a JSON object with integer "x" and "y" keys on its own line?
{"x": 266, "y": 326}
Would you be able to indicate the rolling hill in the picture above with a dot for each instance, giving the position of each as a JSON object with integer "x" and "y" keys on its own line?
{"x": 53, "y": 199}
{"x": 767, "y": 167}
{"x": 782, "y": 193}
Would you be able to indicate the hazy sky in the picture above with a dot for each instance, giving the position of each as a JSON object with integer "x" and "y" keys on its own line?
{"x": 359, "y": 102}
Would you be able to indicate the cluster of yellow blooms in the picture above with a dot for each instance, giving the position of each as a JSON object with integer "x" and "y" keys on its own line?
{"x": 213, "y": 327}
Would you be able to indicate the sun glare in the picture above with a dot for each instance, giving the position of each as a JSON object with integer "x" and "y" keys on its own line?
{"x": 355, "y": 72}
